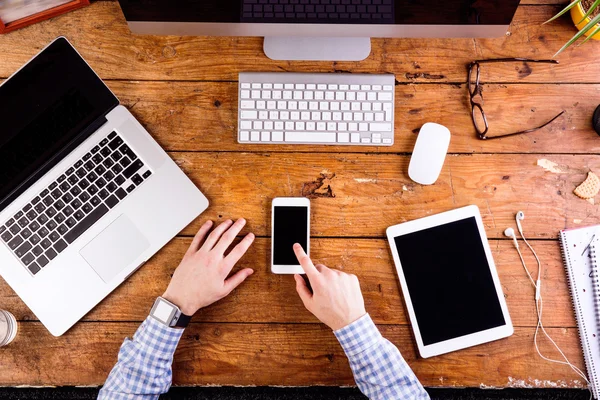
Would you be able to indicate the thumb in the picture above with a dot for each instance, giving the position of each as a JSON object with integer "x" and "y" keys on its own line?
{"x": 237, "y": 279}
{"x": 303, "y": 290}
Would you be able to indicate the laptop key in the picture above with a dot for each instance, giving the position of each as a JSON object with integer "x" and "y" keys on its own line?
{"x": 34, "y": 226}
{"x": 112, "y": 187}
{"x": 43, "y": 232}
{"x": 34, "y": 268}
{"x": 44, "y": 193}
{"x": 62, "y": 229}
{"x": 50, "y": 253}
{"x": 115, "y": 143}
{"x": 100, "y": 169}
{"x": 68, "y": 211}
{"x": 101, "y": 183}
{"x": 121, "y": 193}
{"x": 133, "y": 168}
{"x": 31, "y": 214}
{"x": 108, "y": 163}
{"x": 86, "y": 223}
{"x": 87, "y": 208}
{"x": 103, "y": 194}
{"x": 103, "y": 142}
{"x": 23, "y": 249}
{"x": 112, "y": 135}
{"x": 128, "y": 152}
{"x": 87, "y": 156}
{"x": 112, "y": 201}
{"x": 51, "y": 225}
{"x": 59, "y": 205}
{"x": 25, "y": 233}
{"x": 60, "y": 246}
{"x": 42, "y": 261}
{"x": 6, "y": 236}
{"x": 54, "y": 236}
{"x": 95, "y": 201}
{"x": 59, "y": 218}
{"x": 18, "y": 215}
{"x": 84, "y": 197}
{"x": 97, "y": 158}
{"x": 42, "y": 219}
{"x": 27, "y": 208}
{"x": 95, "y": 149}
{"x": 78, "y": 164}
{"x": 83, "y": 184}
{"x": 117, "y": 168}
{"x": 10, "y": 222}
{"x": 75, "y": 191}
{"x": 67, "y": 198}
{"x": 137, "y": 179}
{"x": 51, "y": 212}
{"x": 119, "y": 180}
{"x": 147, "y": 174}
{"x": 73, "y": 179}
{"x": 2, "y": 229}
{"x": 92, "y": 177}
{"x": 15, "y": 229}
{"x": 23, "y": 222}
{"x": 34, "y": 239}
{"x": 116, "y": 155}
{"x": 61, "y": 178}
{"x": 48, "y": 201}
{"x": 79, "y": 215}
{"x": 53, "y": 186}
{"x": 65, "y": 186}
{"x": 39, "y": 207}
{"x": 70, "y": 222}
{"x": 56, "y": 194}
{"x": 89, "y": 166}
{"x": 76, "y": 204}
{"x": 70, "y": 171}
{"x": 46, "y": 243}
{"x": 105, "y": 151}
{"x": 15, "y": 242}
{"x": 37, "y": 250}
{"x": 125, "y": 161}
{"x": 81, "y": 172}
{"x": 93, "y": 190}
{"x": 35, "y": 200}
{"x": 130, "y": 188}
{"x": 28, "y": 259}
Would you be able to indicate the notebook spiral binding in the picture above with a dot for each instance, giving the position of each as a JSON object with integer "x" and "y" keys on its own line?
{"x": 595, "y": 280}
{"x": 583, "y": 334}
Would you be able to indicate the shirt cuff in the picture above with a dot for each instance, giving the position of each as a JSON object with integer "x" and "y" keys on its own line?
{"x": 358, "y": 336}
{"x": 159, "y": 337}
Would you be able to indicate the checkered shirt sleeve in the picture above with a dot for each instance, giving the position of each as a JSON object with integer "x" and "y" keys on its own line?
{"x": 379, "y": 370}
{"x": 143, "y": 370}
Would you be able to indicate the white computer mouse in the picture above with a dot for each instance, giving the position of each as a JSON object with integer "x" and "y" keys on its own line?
{"x": 429, "y": 153}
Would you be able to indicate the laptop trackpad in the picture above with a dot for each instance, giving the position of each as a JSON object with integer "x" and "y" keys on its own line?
{"x": 115, "y": 248}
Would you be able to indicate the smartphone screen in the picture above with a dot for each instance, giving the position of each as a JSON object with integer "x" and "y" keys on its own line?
{"x": 290, "y": 226}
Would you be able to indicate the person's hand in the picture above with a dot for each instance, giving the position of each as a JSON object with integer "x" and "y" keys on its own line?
{"x": 201, "y": 278}
{"x": 336, "y": 299}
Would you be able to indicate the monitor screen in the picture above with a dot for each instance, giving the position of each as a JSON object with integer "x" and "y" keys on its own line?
{"x": 386, "y": 12}
{"x": 45, "y": 107}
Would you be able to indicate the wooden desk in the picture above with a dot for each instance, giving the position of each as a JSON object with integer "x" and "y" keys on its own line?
{"x": 183, "y": 89}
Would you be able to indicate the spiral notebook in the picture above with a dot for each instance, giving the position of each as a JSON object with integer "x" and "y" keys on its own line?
{"x": 581, "y": 253}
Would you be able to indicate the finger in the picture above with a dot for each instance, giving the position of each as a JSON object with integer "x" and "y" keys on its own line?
{"x": 214, "y": 236}
{"x": 303, "y": 290}
{"x": 199, "y": 238}
{"x": 229, "y": 236}
{"x": 238, "y": 251}
{"x": 237, "y": 279}
{"x": 305, "y": 261}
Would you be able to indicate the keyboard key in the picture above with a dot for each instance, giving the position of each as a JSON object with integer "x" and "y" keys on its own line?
{"x": 70, "y": 222}
{"x": 95, "y": 149}
{"x": 78, "y": 164}
{"x": 100, "y": 183}
{"x": 68, "y": 210}
{"x": 81, "y": 172}
{"x": 133, "y": 168}
{"x": 309, "y": 137}
{"x": 34, "y": 239}
{"x": 10, "y": 222}
{"x": 75, "y": 190}
{"x": 116, "y": 169}
{"x": 112, "y": 135}
{"x": 15, "y": 229}
{"x": 115, "y": 143}
{"x": 53, "y": 186}
{"x": 111, "y": 187}
{"x": 100, "y": 169}
{"x": 37, "y": 250}
{"x": 105, "y": 151}
{"x": 62, "y": 229}
{"x": 73, "y": 179}
{"x": 67, "y": 198}
{"x": 56, "y": 194}
{"x": 125, "y": 161}
{"x": 76, "y": 204}
{"x": 45, "y": 243}
{"x": 128, "y": 152}
{"x": 112, "y": 201}
{"x": 148, "y": 173}
{"x": 84, "y": 197}
{"x": 87, "y": 156}
{"x": 83, "y": 184}
{"x": 26, "y": 233}
{"x": 59, "y": 205}
{"x": 6, "y": 236}
{"x": 15, "y": 242}
{"x": 23, "y": 222}
{"x": 23, "y": 249}
{"x": 43, "y": 232}
{"x": 36, "y": 200}
{"x": 103, "y": 142}
{"x": 119, "y": 180}
{"x": 121, "y": 193}
{"x": 116, "y": 155}
{"x": 86, "y": 223}
{"x": 60, "y": 245}
{"x": 39, "y": 207}
{"x": 31, "y": 215}
{"x": 65, "y": 186}
{"x": 51, "y": 212}
{"x": 95, "y": 201}
{"x": 137, "y": 179}
{"x": 34, "y": 268}
{"x": 87, "y": 208}
{"x": 92, "y": 176}
{"x": 48, "y": 200}
{"x": 28, "y": 259}
{"x": 130, "y": 188}
{"x": 50, "y": 253}
{"x": 109, "y": 176}
{"x": 2, "y": 229}
{"x": 79, "y": 215}
{"x": 51, "y": 225}
{"x": 59, "y": 218}
{"x": 92, "y": 190}
{"x": 42, "y": 261}
{"x": 89, "y": 166}
{"x": 27, "y": 208}
{"x": 108, "y": 163}
{"x": 34, "y": 226}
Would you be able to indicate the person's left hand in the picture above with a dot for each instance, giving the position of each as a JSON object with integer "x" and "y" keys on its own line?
{"x": 201, "y": 278}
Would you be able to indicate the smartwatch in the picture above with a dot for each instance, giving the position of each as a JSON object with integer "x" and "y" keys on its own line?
{"x": 169, "y": 314}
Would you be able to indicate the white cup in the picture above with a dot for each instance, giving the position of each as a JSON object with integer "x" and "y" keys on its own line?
{"x": 8, "y": 328}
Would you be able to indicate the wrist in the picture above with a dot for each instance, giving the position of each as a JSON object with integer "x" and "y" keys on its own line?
{"x": 180, "y": 303}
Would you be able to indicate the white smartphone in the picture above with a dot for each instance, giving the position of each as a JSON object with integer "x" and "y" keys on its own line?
{"x": 290, "y": 223}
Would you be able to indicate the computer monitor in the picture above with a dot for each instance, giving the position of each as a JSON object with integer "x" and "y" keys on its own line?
{"x": 333, "y": 30}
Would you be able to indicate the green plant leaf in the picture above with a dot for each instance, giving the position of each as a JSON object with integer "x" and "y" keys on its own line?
{"x": 579, "y": 34}
{"x": 590, "y": 11}
{"x": 567, "y": 8}
{"x": 591, "y": 35}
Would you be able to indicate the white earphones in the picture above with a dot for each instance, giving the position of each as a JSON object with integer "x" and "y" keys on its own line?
{"x": 510, "y": 232}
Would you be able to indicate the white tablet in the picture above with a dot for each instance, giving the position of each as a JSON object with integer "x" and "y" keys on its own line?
{"x": 449, "y": 281}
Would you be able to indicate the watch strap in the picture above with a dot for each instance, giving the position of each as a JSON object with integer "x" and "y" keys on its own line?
{"x": 183, "y": 320}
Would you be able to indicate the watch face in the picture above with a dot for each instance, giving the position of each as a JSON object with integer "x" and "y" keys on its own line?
{"x": 163, "y": 312}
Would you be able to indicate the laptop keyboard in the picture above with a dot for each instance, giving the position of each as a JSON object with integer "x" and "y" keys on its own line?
{"x": 71, "y": 204}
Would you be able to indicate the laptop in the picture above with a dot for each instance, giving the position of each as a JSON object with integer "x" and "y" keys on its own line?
{"x": 86, "y": 194}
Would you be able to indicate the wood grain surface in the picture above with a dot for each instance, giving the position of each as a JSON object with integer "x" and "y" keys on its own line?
{"x": 184, "y": 91}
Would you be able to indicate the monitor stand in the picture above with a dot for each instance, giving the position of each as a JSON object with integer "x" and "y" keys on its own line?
{"x": 317, "y": 48}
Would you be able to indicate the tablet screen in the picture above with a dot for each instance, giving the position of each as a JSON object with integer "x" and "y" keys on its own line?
{"x": 449, "y": 281}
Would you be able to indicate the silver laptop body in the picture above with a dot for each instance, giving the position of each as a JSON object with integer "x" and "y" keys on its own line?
{"x": 154, "y": 203}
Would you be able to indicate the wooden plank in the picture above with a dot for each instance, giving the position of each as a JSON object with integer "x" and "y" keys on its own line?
{"x": 286, "y": 355}
{"x": 202, "y": 116}
{"x": 360, "y": 195}
{"x": 266, "y": 297}
{"x": 99, "y": 32}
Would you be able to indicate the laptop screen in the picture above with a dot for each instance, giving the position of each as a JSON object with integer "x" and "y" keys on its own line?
{"x": 46, "y": 108}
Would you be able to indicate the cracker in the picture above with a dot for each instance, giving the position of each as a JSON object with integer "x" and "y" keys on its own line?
{"x": 588, "y": 188}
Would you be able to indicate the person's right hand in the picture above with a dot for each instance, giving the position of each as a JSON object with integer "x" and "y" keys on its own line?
{"x": 336, "y": 299}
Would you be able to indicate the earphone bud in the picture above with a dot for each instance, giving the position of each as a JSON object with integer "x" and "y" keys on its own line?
{"x": 510, "y": 232}
{"x": 520, "y": 217}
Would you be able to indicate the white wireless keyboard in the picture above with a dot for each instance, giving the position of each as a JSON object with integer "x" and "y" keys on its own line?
{"x": 295, "y": 108}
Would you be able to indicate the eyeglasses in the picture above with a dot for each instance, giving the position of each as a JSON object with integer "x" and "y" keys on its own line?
{"x": 477, "y": 114}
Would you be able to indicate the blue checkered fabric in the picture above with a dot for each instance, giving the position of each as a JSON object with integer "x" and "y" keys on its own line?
{"x": 379, "y": 370}
{"x": 143, "y": 370}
